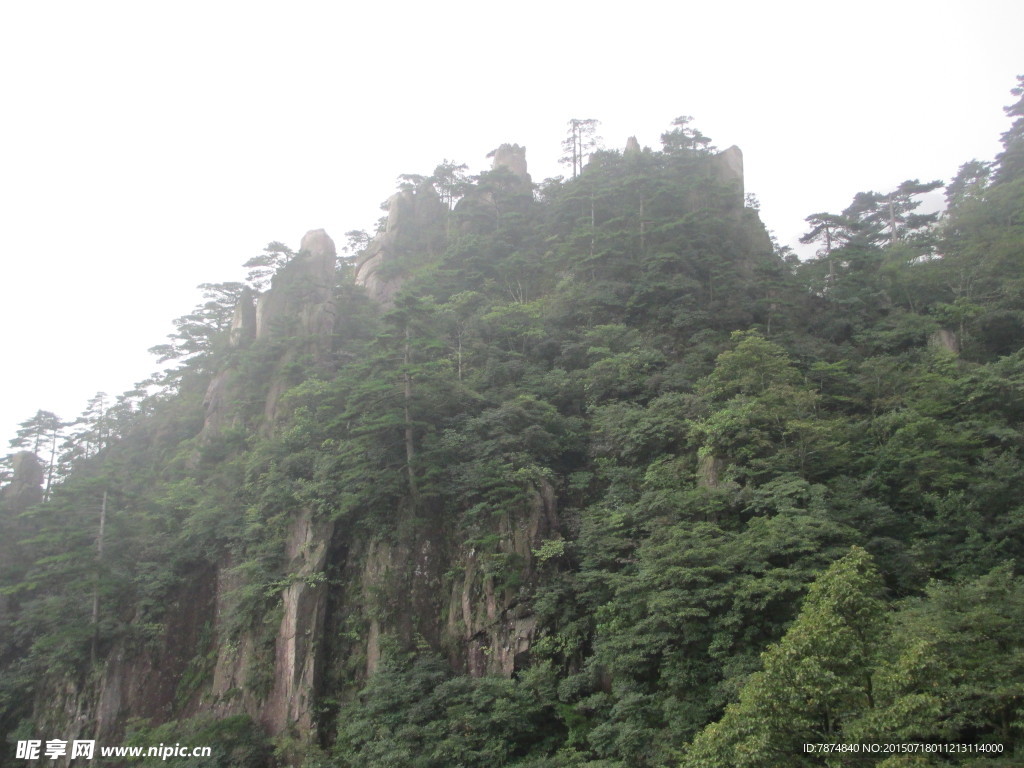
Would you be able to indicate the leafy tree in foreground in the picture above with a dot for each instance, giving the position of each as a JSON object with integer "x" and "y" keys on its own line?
{"x": 813, "y": 682}
{"x": 946, "y": 669}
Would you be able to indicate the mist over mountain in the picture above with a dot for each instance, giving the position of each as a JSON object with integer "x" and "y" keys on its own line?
{"x": 588, "y": 472}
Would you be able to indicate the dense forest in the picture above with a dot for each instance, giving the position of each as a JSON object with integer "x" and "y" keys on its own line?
{"x": 587, "y": 473}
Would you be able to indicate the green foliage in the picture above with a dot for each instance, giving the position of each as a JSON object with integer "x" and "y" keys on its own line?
{"x": 197, "y": 333}
{"x": 414, "y": 713}
{"x": 971, "y": 628}
{"x": 263, "y": 267}
{"x": 684, "y": 138}
{"x": 849, "y": 671}
{"x": 235, "y": 742}
{"x": 722, "y": 497}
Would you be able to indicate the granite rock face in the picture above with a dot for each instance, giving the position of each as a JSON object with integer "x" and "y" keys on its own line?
{"x": 728, "y": 170}
{"x": 418, "y": 583}
{"x": 243, "y": 322}
{"x": 293, "y": 323}
{"x": 298, "y": 307}
{"x": 945, "y": 339}
{"x": 415, "y": 224}
{"x": 26, "y": 486}
{"x": 426, "y": 586}
{"x": 512, "y": 157}
{"x": 300, "y": 300}
{"x": 297, "y": 655}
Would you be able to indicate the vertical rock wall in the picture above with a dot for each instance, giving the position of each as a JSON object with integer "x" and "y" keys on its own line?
{"x": 297, "y": 650}
{"x": 297, "y": 318}
{"x": 428, "y": 585}
{"x": 199, "y": 666}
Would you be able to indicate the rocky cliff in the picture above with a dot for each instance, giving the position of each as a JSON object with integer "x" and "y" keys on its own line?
{"x": 25, "y": 488}
{"x": 296, "y": 316}
{"x": 343, "y": 591}
{"x": 415, "y": 223}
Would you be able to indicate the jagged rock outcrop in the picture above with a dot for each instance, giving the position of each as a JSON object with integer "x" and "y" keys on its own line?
{"x": 727, "y": 166}
{"x": 153, "y": 685}
{"x": 297, "y": 311}
{"x": 513, "y": 158}
{"x": 415, "y": 224}
{"x": 494, "y": 628}
{"x": 394, "y": 585}
{"x": 471, "y": 604}
{"x": 723, "y": 174}
{"x": 26, "y": 486}
{"x": 293, "y": 322}
{"x": 726, "y": 194}
{"x": 300, "y": 302}
{"x": 201, "y": 665}
{"x": 277, "y": 685}
{"x": 506, "y": 187}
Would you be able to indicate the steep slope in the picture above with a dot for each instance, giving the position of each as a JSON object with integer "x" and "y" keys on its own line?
{"x": 533, "y": 479}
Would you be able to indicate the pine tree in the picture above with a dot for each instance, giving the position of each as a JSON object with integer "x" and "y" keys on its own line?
{"x": 1010, "y": 162}
{"x": 581, "y": 142}
{"x": 39, "y": 435}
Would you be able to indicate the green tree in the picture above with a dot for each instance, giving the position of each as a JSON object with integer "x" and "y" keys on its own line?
{"x": 764, "y": 418}
{"x": 1010, "y": 162}
{"x": 814, "y": 681}
{"x": 39, "y": 435}
{"x": 969, "y": 184}
{"x": 828, "y": 229}
{"x": 414, "y": 713}
{"x": 973, "y": 627}
{"x": 260, "y": 269}
{"x": 683, "y": 137}
{"x": 197, "y": 333}
{"x": 450, "y": 181}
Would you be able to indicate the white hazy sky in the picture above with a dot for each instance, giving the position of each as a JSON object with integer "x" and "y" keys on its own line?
{"x": 149, "y": 147}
